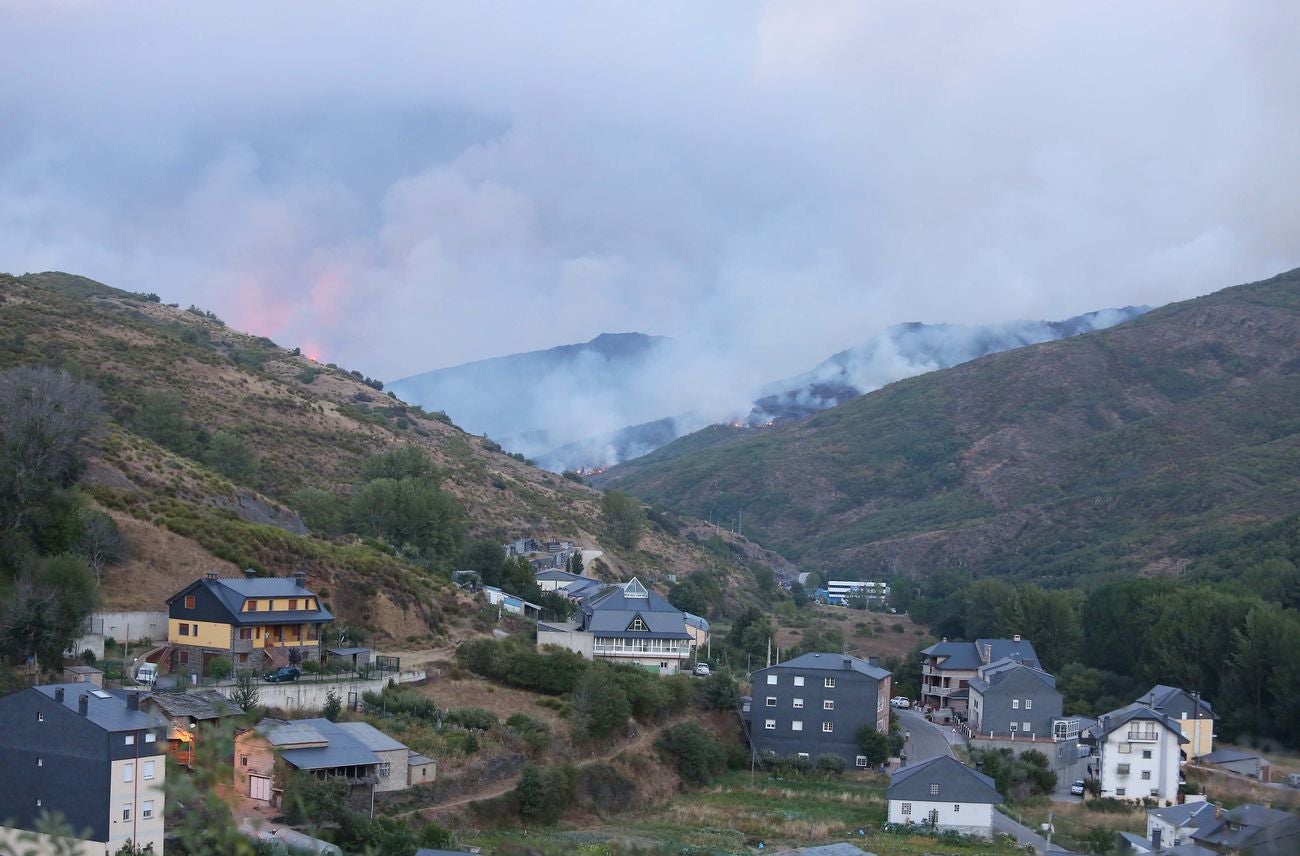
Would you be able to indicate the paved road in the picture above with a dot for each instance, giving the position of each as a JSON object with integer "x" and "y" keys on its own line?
{"x": 1003, "y": 825}
{"x": 925, "y": 739}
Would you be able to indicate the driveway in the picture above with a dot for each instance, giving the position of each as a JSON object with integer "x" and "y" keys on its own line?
{"x": 925, "y": 740}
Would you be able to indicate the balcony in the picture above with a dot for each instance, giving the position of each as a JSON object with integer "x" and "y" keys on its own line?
{"x": 1144, "y": 735}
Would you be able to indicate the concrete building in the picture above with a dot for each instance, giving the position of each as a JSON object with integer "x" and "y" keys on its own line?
{"x": 944, "y": 794}
{"x": 1009, "y": 699}
{"x": 93, "y": 757}
{"x": 1194, "y": 715}
{"x": 815, "y": 704}
{"x": 948, "y": 667}
{"x": 1173, "y": 825}
{"x": 1138, "y": 751}
{"x": 842, "y": 592}
{"x": 625, "y": 623}
{"x": 257, "y": 622}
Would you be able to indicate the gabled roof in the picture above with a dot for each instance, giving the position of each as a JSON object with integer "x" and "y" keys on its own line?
{"x": 972, "y": 655}
{"x": 316, "y": 744}
{"x": 231, "y": 592}
{"x": 820, "y": 661}
{"x": 106, "y": 710}
{"x": 1110, "y": 722}
{"x": 609, "y": 611}
{"x": 696, "y": 621}
{"x": 1227, "y": 756}
{"x": 994, "y": 673}
{"x": 957, "y": 783}
{"x": 557, "y": 575}
{"x": 1173, "y": 701}
{"x": 1190, "y": 815}
{"x": 1253, "y": 829}
{"x": 198, "y": 704}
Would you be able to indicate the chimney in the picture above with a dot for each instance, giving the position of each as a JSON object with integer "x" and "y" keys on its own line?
{"x": 212, "y": 575}
{"x": 874, "y": 661}
{"x": 58, "y": 694}
{"x": 83, "y": 704}
{"x": 133, "y": 701}
{"x": 249, "y": 573}
{"x": 300, "y": 577}
{"x": 848, "y": 663}
{"x": 1015, "y": 638}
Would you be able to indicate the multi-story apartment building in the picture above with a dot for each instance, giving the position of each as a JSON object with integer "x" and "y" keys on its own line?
{"x": 1138, "y": 753}
{"x": 258, "y": 622}
{"x": 625, "y": 623}
{"x": 1194, "y": 716}
{"x": 948, "y": 667}
{"x": 815, "y": 704}
{"x": 90, "y": 756}
{"x": 1010, "y": 699}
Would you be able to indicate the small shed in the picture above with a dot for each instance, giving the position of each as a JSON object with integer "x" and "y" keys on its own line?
{"x": 420, "y": 769}
{"x": 1242, "y": 763}
{"x": 84, "y": 675}
{"x": 354, "y": 658}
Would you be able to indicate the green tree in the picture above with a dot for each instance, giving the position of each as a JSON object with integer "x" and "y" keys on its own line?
{"x": 161, "y": 417}
{"x": 41, "y": 612}
{"x": 333, "y": 706}
{"x": 313, "y": 801}
{"x": 696, "y": 754}
{"x": 575, "y": 562}
{"x": 410, "y": 511}
{"x": 600, "y": 706}
{"x": 624, "y": 518}
{"x": 404, "y": 462}
{"x": 873, "y": 744}
{"x": 245, "y": 694}
{"x": 230, "y": 454}
{"x": 319, "y": 509}
{"x": 719, "y": 692}
{"x": 750, "y": 633}
{"x": 487, "y": 557}
{"x": 220, "y": 668}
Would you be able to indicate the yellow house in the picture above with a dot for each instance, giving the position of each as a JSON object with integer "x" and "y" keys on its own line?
{"x": 1193, "y": 714}
{"x": 257, "y": 622}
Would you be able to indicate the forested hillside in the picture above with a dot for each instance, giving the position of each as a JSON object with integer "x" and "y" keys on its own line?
{"x": 210, "y": 449}
{"x": 1115, "y": 452}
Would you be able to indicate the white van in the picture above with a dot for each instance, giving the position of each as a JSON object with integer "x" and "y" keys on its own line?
{"x": 146, "y": 673}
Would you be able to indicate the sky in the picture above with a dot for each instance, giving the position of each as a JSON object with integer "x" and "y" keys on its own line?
{"x": 398, "y": 187}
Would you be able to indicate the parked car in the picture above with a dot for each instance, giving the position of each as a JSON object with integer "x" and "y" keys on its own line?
{"x": 701, "y": 669}
{"x": 900, "y": 702}
{"x": 1077, "y": 788}
{"x": 283, "y": 674}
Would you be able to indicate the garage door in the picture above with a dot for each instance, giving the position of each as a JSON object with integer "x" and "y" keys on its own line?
{"x": 259, "y": 788}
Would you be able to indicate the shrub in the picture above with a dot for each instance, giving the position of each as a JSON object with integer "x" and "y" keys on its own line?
{"x": 696, "y": 754}
{"x": 308, "y": 374}
{"x": 603, "y": 789}
{"x": 719, "y": 692}
{"x": 830, "y": 763}
{"x": 471, "y": 718}
{"x": 220, "y": 668}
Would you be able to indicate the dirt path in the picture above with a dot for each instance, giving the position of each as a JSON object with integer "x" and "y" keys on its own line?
{"x": 643, "y": 738}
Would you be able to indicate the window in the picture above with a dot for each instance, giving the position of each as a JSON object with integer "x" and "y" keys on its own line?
{"x": 146, "y": 809}
{"x": 907, "y": 808}
{"x": 771, "y": 680}
{"x": 130, "y": 740}
{"x": 1155, "y": 792}
{"x": 771, "y": 701}
{"x": 40, "y": 717}
{"x": 769, "y": 724}
{"x": 1122, "y": 769}
{"x": 1015, "y": 727}
{"x": 148, "y": 770}
{"x": 828, "y": 705}
{"x": 796, "y": 725}
{"x": 1146, "y": 753}
{"x": 385, "y": 770}
{"x": 126, "y": 811}
{"x": 243, "y": 760}
{"x": 798, "y": 704}
{"x": 1119, "y": 792}
{"x": 245, "y": 633}
{"x": 243, "y": 658}
{"x": 293, "y": 606}
{"x": 150, "y": 737}
{"x": 934, "y": 789}
{"x": 38, "y": 802}
{"x": 861, "y": 761}
{"x": 250, "y": 606}
{"x": 798, "y": 680}
{"x": 128, "y": 773}
{"x": 1029, "y": 704}
{"x": 1024, "y": 726}
{"x": 956, "y": 808}
{"x": 829, "y": 683}
{"x": 1015, "y": 704}
{"x": 1125, "y": 748}
{"x": 803, "y": 755}
{"x": 1146, "y": 775}
{"x": 40, "y": 762}
{"x": 189, "y": 601}
{"x": 828, "y": 727}
{"x": 184, "y": 629}
{"x": 183, "y": 658}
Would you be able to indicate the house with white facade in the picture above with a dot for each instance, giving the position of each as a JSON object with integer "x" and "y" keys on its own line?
{"x": 944, "y": 794}
{"x": 1173, "y": 825}
{"x": 624, "y": 623}
{"x": 1138, "y": 751}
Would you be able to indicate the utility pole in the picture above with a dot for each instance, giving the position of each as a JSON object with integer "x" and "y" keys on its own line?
{"x": 1048, "y": 848}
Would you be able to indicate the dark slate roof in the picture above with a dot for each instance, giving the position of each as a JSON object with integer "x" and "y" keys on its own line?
{"x": 611, "y": 610}
{"x": 994, "y": 673}
{"x": 970, "y": 655}
{"x": 1173, "y": 701}
{"x": 831, "y": 662}
{"x": 232, "y": 592}
{"x": 957, "y": 783}
{"x": 1227, "y": 756}
{"x": 1189, "y": 815}
{"x": 110, "y": 714}
{"x": 199, "y": 704}
{"x": 557, "y": 575}
{"x": 698, "y": 621}
{"x": 1254, "y": 829}
{"x": 346, "y": 652}
{"x": 1117, "y": 718}
{"x": 341, "y": 748}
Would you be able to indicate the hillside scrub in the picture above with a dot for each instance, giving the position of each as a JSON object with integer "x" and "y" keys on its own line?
{"x": 696, "y": 754}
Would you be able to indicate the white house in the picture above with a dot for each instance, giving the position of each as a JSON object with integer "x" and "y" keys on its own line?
{"x": 1174, "y": 825}
{"x": 945, "y": 794}
{"x": 1138, "y": 751}
{"x": 625, "y": 623}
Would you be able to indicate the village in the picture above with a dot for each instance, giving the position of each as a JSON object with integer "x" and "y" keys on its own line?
{"x": 252, "y": 664}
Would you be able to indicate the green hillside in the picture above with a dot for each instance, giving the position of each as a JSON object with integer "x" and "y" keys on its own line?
{"x": 1106, "y": 452}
